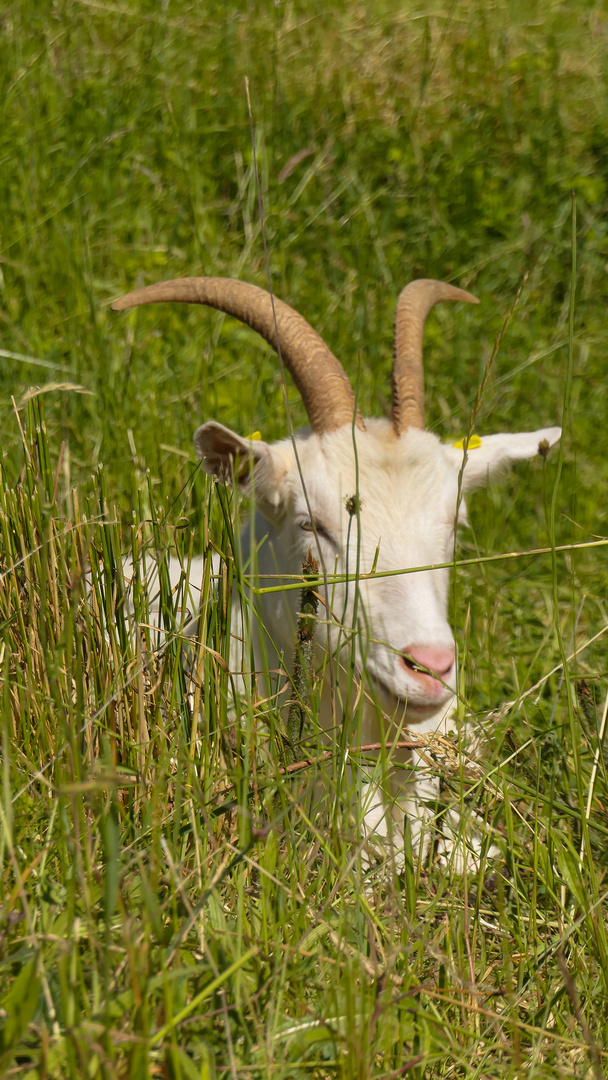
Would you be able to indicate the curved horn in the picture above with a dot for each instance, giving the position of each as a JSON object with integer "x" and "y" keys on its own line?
{"x": 413, "y": 306}
{"x": 319, "y": 376}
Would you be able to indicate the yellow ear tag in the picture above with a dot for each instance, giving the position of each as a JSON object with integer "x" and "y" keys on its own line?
{"x": 474, "y": 442}
{"x": 256, "y": 436}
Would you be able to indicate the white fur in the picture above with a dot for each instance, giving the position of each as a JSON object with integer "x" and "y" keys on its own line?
{"x": 408, "y": 491}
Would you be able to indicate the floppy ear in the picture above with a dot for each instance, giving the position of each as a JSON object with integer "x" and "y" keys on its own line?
{"x": 248, "y": 463}
{"x": 492, "y": 455}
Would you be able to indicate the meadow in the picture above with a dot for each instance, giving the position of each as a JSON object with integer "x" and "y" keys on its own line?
{"x": 169, "y": 906}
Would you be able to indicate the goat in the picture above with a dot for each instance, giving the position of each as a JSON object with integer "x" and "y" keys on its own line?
{"x": 409, "y": 488}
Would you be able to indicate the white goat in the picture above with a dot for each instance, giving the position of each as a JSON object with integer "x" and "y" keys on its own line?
{"x": 407, "y": 483}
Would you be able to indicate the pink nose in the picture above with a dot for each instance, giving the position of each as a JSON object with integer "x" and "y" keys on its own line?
{"x": 438, "y": 660}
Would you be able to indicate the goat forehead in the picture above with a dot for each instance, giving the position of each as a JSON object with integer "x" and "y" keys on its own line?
{"x": 395, "y": 478}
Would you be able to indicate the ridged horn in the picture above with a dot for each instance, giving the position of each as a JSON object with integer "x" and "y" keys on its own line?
{"x": 319, "y": 376}
{"x": 413, "y": 306}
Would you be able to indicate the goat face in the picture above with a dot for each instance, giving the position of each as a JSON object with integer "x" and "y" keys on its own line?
{"x": 405, "y": 483}
{"x": 406, "y": 492}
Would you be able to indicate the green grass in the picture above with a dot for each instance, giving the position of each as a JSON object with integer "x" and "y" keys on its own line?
{"x": 169, "y": 908}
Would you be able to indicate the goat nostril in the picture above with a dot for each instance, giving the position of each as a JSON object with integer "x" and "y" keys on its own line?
{"x": 429, "y": 659}
{"x": 409, "y": 663}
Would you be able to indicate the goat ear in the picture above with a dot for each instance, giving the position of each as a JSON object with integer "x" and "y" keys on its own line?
{"x": 247, "y": 463}
{"x": 492, "y": 455}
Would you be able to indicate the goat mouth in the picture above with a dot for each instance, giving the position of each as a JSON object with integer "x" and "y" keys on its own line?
{"x": 418, "y": 698}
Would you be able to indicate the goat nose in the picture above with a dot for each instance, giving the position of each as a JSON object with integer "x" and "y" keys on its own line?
{"x": 438, "y": 659}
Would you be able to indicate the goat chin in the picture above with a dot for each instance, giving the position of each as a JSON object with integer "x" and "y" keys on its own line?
{"x": 416, "y": 703}
{"x": 397, "y": 794}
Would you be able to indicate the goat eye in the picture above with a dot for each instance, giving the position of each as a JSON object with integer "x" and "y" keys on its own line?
{"x": 320, "y": 531}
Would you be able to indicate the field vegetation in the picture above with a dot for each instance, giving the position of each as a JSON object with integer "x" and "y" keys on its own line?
{"x": 170, "y": 906}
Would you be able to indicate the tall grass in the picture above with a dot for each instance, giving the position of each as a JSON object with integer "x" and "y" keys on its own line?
{"x": 172, "y": 904}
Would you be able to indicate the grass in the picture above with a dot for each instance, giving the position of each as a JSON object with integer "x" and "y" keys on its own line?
{"x": 169, "y": 908}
